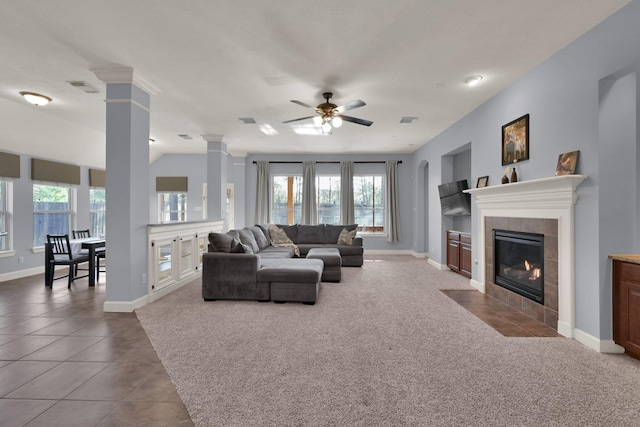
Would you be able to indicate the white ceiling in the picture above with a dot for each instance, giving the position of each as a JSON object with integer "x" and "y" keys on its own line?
{"x": 217, "y": 61}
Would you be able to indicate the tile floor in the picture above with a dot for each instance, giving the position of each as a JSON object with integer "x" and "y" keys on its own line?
{"x": 65, "y": 362}
{"x": 500, "y": 316}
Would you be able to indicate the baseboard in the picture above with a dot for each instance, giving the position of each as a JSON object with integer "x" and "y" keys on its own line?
{"x": 125, "y": 306}
{"x": 477, "y": 285}
{"x": 601, "y": 346}
{"x": 438, "y": 265}
{"x": 18, "y": 274}
{"x": 395, "y": 252}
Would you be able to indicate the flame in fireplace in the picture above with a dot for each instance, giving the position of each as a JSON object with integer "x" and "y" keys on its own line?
{"x": 534, "y": 272}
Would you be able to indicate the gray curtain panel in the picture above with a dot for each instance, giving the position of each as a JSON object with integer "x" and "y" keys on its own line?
{"x": 262, "y": 192}
{"x": 391, "y": 203}
{"x": 347, "y": 214}
{"x": 309, "y": 209}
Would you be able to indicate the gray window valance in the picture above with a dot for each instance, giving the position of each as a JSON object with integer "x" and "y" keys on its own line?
{"x": 167, "y": 184}
{"x": 45, "y": 170}
{"x": 97, "y": 178}
{"x": 9, "y": 165}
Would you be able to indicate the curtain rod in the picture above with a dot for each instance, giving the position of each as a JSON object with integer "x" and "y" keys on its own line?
{"x": 285, "y": 162}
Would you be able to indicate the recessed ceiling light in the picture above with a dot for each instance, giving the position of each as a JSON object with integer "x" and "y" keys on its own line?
{"x": 473, "y": 80}
{"x": 36, "y": 98}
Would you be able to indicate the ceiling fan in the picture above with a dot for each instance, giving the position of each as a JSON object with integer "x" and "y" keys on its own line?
{"x": 329, "y": 115}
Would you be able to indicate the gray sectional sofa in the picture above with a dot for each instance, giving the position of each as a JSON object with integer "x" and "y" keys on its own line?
{"x": 248, "y": 264}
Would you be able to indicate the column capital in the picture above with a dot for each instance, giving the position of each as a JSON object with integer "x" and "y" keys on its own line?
{"x": 124, "y": 75}
{"x": 212, "y": 137}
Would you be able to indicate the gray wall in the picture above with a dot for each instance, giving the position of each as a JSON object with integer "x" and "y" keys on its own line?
{"x": 575, "y": 103}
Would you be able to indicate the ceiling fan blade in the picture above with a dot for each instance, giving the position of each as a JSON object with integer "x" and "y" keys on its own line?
{"x": 356, "y": 120}
{"x": 301, "y": 118}
{"x": 350, "y": 106}
{"x": 302, "y": 104}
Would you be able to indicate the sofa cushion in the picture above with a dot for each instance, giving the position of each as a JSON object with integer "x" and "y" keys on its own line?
{"x": 310, "y": 234}
{"x": 265, "y": 231}
{"x": 277, "y": 252}
{"x": 261, "y": 240}
{"x": 247, "y": 238}
{"x": 222, "y": 242}
{"x": 346, "y": 237}
{"x": 332, "y": 232}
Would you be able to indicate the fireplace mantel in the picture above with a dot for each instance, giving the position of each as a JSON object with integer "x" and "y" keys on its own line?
{"x": 552, "y": 198}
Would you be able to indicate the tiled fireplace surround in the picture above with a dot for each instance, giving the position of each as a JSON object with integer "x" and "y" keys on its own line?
{"x": 544, "y": 206}
{"x": 547, "y": 313}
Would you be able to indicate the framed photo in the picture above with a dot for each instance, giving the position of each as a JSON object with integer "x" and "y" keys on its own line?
{"x": 482, "y": 181}
{"x": 567, "y": 163}
{"x": 515, "y": 141}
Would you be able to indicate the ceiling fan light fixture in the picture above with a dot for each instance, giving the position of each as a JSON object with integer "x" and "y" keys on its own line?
{"x": 317, "y": 120}
{"x": 326, "y": 127}
{"x": 36, "y": 98}
{"x": 473, "y": 80}
{"x": 336, "y": 122}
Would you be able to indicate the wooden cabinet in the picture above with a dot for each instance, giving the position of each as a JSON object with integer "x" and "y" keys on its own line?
{"x": 626, "y": 306}
{"x": 459, "y": 252}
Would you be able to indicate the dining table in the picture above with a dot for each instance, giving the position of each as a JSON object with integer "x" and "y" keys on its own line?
{"x": 90, "y": 244}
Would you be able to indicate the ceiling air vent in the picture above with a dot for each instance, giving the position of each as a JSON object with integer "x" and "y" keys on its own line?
{"x": 408, "y": 120}
{"x": 248, "y": 120}
{"x": 184, "y": 136}
{"x": 83, "y": 86}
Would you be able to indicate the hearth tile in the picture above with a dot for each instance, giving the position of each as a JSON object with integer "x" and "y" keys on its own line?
{"x": 551, "y": 318}
{"x": 551, "y": 272}
{"x": 515, "y": 224}
{"x": 550, "y": 247}
{"x": 551, "y": 296}
{"x": 550, "y": 227}
{"x": 539, "y": 330}
{"x": 533, "y": 225}
{"x": 500, "y": 223}
{"x": 488, "y": 258}
{"x": 514, "y": 331}
{"x": 514, "y": 300}
{"x": 533, "y": 309}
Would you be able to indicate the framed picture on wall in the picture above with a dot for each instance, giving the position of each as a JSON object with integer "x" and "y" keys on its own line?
{"x": 515, "y": 141}
{"x": 567, "y": 163}
{"x": 482, "y": 181}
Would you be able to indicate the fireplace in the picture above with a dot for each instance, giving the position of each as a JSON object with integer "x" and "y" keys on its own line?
{"x": 519, "y": 263}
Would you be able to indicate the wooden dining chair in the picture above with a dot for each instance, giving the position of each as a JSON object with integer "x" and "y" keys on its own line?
{"x": 61, "y": 255}
{"x": 100, "y": 252}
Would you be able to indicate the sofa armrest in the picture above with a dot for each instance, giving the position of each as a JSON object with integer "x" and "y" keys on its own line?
{"x": 229, "y": 275}
{"x": 357, "y": 241}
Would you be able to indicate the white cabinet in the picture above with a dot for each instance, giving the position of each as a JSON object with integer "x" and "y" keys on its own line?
{"x": 175, "y": 254}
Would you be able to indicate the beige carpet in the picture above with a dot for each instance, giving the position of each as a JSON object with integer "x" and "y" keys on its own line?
{"x": 382, "y": 348}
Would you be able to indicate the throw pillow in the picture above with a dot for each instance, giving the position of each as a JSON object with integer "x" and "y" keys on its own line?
{"x": 280, "y": 239}
{"x": 247, "y": 238}
{"x": 346, "y": 237}
{"x": 221, "y": 242}
{"x": 237, "y": 247}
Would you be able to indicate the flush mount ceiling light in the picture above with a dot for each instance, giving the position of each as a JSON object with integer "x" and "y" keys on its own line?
{"x": 36, "y": 98}
{"x": 473, "y": 80}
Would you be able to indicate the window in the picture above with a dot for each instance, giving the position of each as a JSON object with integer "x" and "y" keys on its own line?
{"x": 97, "y": 211}
{"x": 368, "y": 199}
{"x": 287, "y": 199}
{"x": 4, "y": 216}
{"x": 52, "y": 210}
{"x": 328, "y": 201}
{"x": 173, "y": 207}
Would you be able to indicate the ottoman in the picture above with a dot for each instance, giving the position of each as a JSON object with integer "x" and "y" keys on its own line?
{"x": 291, "y": 279}
{"x": 332, "y": 262}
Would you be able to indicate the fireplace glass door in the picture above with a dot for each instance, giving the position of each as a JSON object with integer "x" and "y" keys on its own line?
{"x": 519, "y": 263}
